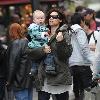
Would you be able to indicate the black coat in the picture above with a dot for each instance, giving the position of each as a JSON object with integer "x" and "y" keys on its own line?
{"x": 19, "y": 65}
{"x": 3, "y": 66}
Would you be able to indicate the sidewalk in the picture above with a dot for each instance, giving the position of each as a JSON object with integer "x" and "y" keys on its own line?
{"x": 71, "y": 96}
{"x": 35, "y": 95}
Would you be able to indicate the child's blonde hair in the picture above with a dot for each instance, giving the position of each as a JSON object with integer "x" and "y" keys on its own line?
{"x": 37, "y": 11}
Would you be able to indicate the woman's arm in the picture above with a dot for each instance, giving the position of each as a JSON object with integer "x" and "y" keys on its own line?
{"x": 36, "y": 53}
{"x": 64, "y": 48}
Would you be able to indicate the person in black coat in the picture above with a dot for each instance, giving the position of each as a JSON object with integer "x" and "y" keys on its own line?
{"x": 19, "y": 64}
{"x": 2, "y": 69}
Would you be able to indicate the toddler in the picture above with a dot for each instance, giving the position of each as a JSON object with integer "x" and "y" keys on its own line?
{"x": 39, "y": 37}
{"x": 37, "y": 30}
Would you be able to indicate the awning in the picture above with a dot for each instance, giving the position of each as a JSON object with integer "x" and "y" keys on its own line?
{"x": 9, "y": 2}
{"x": 51, "y": 0}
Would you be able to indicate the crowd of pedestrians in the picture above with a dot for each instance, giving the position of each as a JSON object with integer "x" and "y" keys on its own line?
{"x": 50, "y": 52}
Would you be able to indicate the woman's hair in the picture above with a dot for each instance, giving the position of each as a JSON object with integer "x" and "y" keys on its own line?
{"x": 15, "y": 31}
{"x": 90, "y": 11}
{"x": 15, "y": 18}
{"x": 79, "y": 9}
{"x": 76, "y": 18}
{"x": 60, "y": 14}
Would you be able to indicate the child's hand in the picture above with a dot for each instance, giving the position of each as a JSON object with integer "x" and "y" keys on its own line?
{"x": 46, "y": 34}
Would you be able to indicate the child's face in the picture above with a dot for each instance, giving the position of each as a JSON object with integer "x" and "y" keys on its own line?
{"x": 39, "y": 18}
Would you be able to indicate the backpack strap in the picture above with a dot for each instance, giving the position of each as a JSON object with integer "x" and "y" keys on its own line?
{"x": 94, "y": 38}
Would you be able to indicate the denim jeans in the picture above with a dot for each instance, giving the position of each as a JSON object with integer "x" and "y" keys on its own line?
{"x": 26, "y": 94}
{"x": 34, "y": 68}
{"x": 49, "y": 60}
{"x": 50, "y": 65}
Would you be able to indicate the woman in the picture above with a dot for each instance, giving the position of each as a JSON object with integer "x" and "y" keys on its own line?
{"x": 81, "y": 58}
{"x": 89, "y": 16}
{"x": 19, "y": 64}
{"x": 53, "y": 72}
{"x": 92, "y": 40}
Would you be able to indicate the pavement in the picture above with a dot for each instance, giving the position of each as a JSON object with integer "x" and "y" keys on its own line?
{"x": 35, "y": 95}
{"x": 88, "y": 95}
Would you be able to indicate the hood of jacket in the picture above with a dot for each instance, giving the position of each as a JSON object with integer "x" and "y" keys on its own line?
{"x": 76, "y": 26}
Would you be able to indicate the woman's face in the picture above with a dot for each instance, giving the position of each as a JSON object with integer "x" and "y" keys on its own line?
{"x": 54, "y": 19}
{"x": 88, "y": 17}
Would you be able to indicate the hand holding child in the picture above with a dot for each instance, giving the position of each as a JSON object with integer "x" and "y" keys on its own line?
{"x": 47, "y": 49}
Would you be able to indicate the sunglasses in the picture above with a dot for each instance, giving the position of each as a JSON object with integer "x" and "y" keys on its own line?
{"x": 54, "y": 16}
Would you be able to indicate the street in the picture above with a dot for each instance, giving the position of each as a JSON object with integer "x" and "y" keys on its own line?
{"x": 35, "y": 95}
{"x": 88, "y": 96}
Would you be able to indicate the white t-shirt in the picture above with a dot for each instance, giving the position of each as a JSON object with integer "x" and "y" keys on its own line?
{"x": 97, "y": 56}
{"x": 92, "y": 42}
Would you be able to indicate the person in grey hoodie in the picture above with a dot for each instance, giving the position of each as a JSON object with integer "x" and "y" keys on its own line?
{"x": 81, "y": 57}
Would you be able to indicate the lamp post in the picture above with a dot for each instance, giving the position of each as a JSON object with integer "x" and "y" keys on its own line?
{"x": 35, "y": 4}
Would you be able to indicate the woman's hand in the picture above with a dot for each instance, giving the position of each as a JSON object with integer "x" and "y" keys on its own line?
{"x": 47, "y": 49}
{"x": 59, "y": 37}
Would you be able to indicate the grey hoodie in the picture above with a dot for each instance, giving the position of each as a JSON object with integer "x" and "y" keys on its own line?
{"x": 81, "y": 54}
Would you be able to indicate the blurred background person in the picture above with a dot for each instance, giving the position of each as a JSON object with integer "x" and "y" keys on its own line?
{"x": 92, "y": 39}
{"x": 89, "y": 16}
{"x": 81, "y": 57}
{"x": 96, "y": 72}
{"x": 15, "y": 18}
{"x": 80, "y": 9}
{"x": 2, "y": 26}
{"x": 91, "y": 36}
{"x": 3, "y": 47}
{"x": 3, "y": 66}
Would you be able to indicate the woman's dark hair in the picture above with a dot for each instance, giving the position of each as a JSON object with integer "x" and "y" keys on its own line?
{"x": 79, "y": 9}
{"x": 90, "y": 11}
{"x": 76, "y": 18}
{"x": 60, "y": 14}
